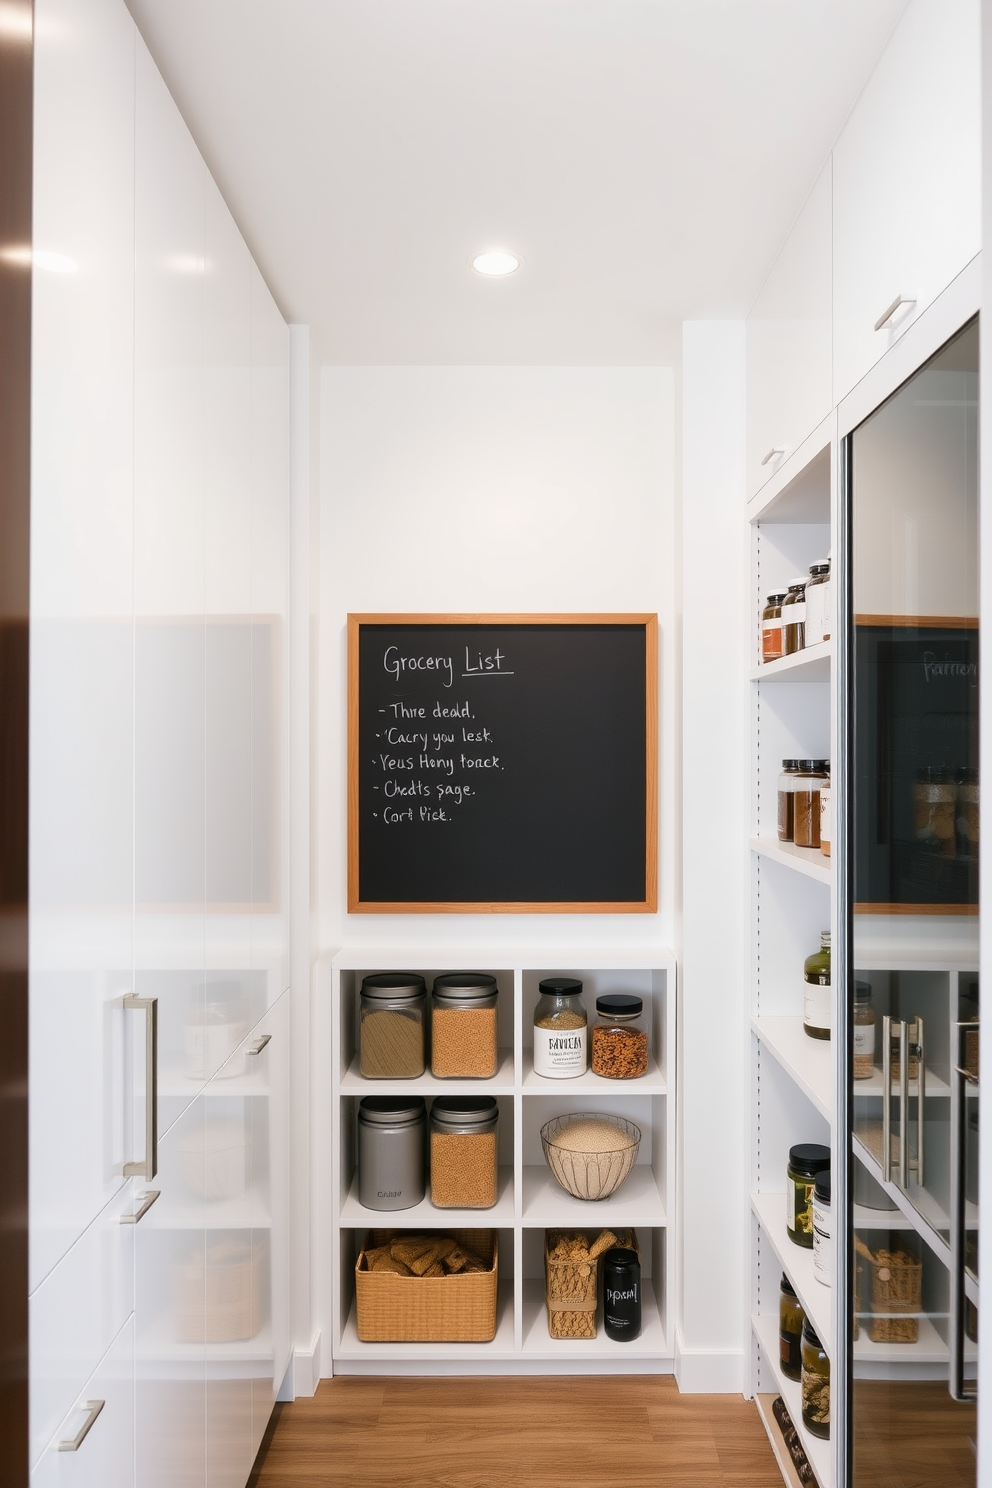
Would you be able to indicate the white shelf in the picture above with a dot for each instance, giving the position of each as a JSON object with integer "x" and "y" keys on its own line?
{"x": 537, "y": 1342}
{"x": 353, "y": 1082}
{"x": 879, "y": 1219}
{"x": 157, "y": 1345}
{"x": 809, "y": 1061}
{"x": 812, "y": 664}
{"x": 806, "y": 860}
{"x": 818, "y": 1451}
{"x": 930, "y": 1348}
{"x": 651, "y": 1083}
{"x": 873, "y": 1085}
{"x": 636, "y": 1202}
{"x": 244, "y": 1213}
{"x": 352, "y": 1349}
{"x": 424, "y": 1215}
{"x": 797, "y": 1262}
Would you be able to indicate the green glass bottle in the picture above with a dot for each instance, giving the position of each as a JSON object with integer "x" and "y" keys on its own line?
{"x": 817, "y": 1010}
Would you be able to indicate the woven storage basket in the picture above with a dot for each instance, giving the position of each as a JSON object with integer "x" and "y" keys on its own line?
{"x": 428, "y": 1309}
{"x": 896, "y": 1295}
{"x": 571, "y": 1287}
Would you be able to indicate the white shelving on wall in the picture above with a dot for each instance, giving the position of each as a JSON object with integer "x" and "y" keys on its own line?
{"x": 794, "y": 1077}
{"x": 530, "y": 1199}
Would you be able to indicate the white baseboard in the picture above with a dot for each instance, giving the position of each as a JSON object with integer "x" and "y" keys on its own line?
{"x": 708, "y": 1372}
{"x": 306, "y": 1369}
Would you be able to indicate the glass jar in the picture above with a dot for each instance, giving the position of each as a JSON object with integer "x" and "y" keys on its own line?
{"x": 935, "y": 798}
{"x": 815, "y": 1383}
{"x": 817, "y": 1009}
{"x": 464, "y": 1152}
{"x": 805, "y": 1161}
{"x": 771, "y": 627}
{"x": 818, "y": 602}
{"x": 216, "y": 1025}
{"x": 621, "y": 1294}
{"x": 560, "y": 1028}
{"x": 969, "y": 1014}
{"x": 794, "y": 617}
{"x": 787, "y": 800}
{"x": 790, "y": 1330}
{"x": 813, "y": 775}
{"x": 822, "y": 1229}
{"x": 864, "y": 1032}
{"x": 391, "y": 1151}
{"x": 826, "y": 819}
{"x": 619, "y": 1038}
{"x": 966, "y": 821}
{"x": 391, "y": 1032}
{"x": 464, "y": 1040}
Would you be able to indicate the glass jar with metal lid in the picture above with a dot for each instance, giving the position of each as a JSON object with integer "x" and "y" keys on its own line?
{"x": 391, "y": 1035}
{"x": 790, "y": 1330}
{"x": 794, "y": 617}
{"x": 815, "y": 1384}
{"x": 391, "y": 1132}
{"x": 464, "y": 1043}
{"x": 464, "y": 1152}
{"x": 818, "y": 602}
{"x": 619, "y": 1037}
{"x": 813, "y": 775}
{"x": 560, "y": 1026}
{"x": 806, "y": 1159}
{"x": 771, "y": 626}
{"x": 787, "y": 800}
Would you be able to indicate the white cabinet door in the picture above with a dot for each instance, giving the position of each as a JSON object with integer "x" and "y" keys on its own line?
{"x": 788, "y": 342}
{"x": 103, "y": 1417}
{"x": 270, "y": 1237}
{"x": 907, "y": 182}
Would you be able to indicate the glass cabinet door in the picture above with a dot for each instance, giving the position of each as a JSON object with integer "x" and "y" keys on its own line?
{"x": 913, "y": 986}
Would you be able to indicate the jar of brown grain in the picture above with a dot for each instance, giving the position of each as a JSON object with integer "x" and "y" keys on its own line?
{"x": 619, "y": 1038}
{"x": 464, "y": 1042}
{"x": 464, "y": 1143}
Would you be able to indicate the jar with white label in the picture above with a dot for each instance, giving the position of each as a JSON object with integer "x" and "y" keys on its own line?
{"x": 771, "y": 626}
{"x": 822, "y": 1229}
{"x": 560, "y": 1029}
{"x": 794, "y": 617}
{"x": 826, "y": 819}
{"x": 818, "y": 602}
{"x": 864, "y": 1032}
{"x": 787, "y": 799}
{"x": 817, "y": 1011}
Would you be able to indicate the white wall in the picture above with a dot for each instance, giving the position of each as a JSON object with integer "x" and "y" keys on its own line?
{"x": 493, "y": 489}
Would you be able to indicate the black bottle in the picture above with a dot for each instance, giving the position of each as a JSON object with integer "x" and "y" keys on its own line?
{"x": 621, "y": 1295}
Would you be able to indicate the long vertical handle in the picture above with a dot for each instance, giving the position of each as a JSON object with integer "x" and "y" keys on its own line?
{"x": 903, "y": 1105}
{"x": 149, "y": 1166}
{"x": 959, "y": 1389}
{"x": 887, "y": 1098}
{"x": 921, "y": 1096}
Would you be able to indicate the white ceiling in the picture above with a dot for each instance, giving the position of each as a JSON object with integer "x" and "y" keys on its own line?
{"x": 646, "y": 157}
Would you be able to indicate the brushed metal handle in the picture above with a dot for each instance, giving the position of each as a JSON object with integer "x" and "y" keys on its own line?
{"x": 886, "y": 315}
{"x": 887, "y": 1098}
{"x": 147, "y": 1200}
{"x": 257, "y": 1048}
{"x": 921, "y": 1096}
{"x": 904, "y": 1106}
{"x": 775, "y": 450}
{"x": 956, "y": 1384}
{"x": 94, "y": 1407}
{"x": 149, "y": 1166}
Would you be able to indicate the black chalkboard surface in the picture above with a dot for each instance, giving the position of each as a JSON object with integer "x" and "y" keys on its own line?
{"x": 502, "y": 763}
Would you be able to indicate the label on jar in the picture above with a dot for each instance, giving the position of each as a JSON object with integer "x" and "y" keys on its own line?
{"x": 821, "y": 1243}
{"x": 864, "y": 1041}
{"x": 794, "y": 614}
{"x": 817, "y": 1012}
{"x": 814, "y": 615}
{"x": 559, "y": 1053}
{"x": 825, "y": 818}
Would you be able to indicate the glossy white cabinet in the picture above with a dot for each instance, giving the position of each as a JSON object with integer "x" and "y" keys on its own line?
{"x": 907, "y": 182}
{"x": 104, "y": 1458}
{"x": 269, "y": 1076}
{"x": 788, "y": 334}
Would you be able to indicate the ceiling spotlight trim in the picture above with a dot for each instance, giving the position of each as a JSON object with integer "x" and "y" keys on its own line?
{"x": 493, "y": 254}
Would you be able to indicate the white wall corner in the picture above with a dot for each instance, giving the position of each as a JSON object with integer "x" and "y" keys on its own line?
{"x": 304, "y": 1375}
{"x": 713, "y": 1372}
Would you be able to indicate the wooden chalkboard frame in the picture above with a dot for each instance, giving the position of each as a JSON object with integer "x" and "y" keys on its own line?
{"x": 648, "y": 905}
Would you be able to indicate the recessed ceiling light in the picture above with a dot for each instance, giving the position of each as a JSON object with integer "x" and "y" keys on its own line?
{"x": 496, "y": 263}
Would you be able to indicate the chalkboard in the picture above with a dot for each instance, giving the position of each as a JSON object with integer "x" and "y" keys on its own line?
{"x": 916, "y": 708}
{"x": 502, "y": 763}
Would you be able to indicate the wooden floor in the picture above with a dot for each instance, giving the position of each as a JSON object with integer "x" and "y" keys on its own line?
{"x": 616, "y": 1432}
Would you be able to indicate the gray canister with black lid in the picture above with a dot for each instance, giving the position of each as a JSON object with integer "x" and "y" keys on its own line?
{"x": 391, "y": 1140}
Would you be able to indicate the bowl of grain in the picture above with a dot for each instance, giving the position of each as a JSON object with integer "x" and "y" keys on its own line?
{"x": 590, "y": 1153}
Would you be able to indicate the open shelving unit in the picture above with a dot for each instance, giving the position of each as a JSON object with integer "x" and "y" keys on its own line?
{"x": 530, "y": 1200}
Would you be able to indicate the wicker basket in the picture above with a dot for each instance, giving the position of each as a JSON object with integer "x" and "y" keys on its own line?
{"x": 896, "y": 1296}
{"x": 428, "y": 1309}
{"x": 571, "y": 1287}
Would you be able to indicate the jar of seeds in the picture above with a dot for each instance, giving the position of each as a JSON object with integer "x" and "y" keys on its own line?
{"x": 391, "y": 1036}
{"x": 815, "y": 1384}
{"x": 464, "y": 1147}
{"x": 619, "y": 1038}
{"x": 560, "y": 1026}
{"x": 463, "y": 1026}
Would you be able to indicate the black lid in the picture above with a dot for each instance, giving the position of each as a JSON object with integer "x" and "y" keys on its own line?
{"x": 821, "y": 1185}
{"x": 809, "y": 1158}
{"x": 382, "y": 1109}
{"x": 807, "y": 766}
{"x": 810, "y": 1336}
{"x": 934, "y": 775}
{"x": 394, "y": 984}
{"x": 967, "y": 775}
{"x": 787, "y": 1285}
{"x": 620, "y": 1004}
{"x": 469, "y": 1109}
{"x": 561, "y": 986}
{"x": 790, "y": 764}
{"x": 821, "y": 764}
{"x": 465, "y": 984}
{"x": 797, "y": 583}
{"x": 821, "y": 566}
{"x": 862, "y": 991}
{"x": 775, "y": 596}
{"x": 621, "y": 1258}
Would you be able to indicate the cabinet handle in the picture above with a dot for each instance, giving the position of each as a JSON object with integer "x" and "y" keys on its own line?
{"x": 257, "y": 1048}
{"x": 959, "y": 1390}
{"x": 887, "y": 1098}
{"x": 149, "y": 1166}
{"x": 94, "y": 1407}
{"x": 886, "y": 316}
{"x": 775, "y": 450}
{"x": 147, "y": 1200}
{"x": 904, "y": 1106}
{"x": 921, "y": 1095}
